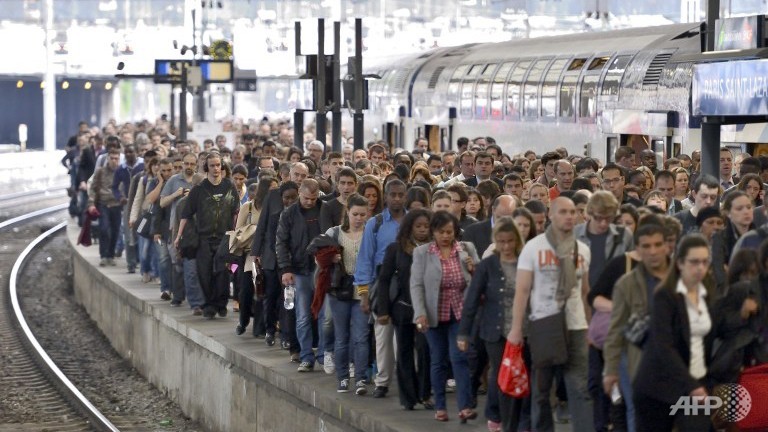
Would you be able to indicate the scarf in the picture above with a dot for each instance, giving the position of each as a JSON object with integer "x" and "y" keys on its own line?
{"x": 564, "y": 249}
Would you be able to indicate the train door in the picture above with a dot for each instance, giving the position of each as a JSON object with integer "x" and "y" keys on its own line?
{"x": 390, "y": 135}
{"x": 437, "y": 137}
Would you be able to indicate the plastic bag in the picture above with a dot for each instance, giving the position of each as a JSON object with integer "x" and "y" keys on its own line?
{"x": 513, "y": 377}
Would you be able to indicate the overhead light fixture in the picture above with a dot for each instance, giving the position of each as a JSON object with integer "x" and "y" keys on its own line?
{"x": 65, "y": 85}
{"x": 19, "y": 84}
{"x": 87, "y": 85}
{"x": 108, "y": 86}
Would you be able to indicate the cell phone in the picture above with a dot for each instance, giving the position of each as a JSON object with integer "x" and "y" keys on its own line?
{"x": 615, "y": 394}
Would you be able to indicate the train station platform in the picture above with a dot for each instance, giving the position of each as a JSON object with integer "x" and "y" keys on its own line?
{"x": 224, "y": 381}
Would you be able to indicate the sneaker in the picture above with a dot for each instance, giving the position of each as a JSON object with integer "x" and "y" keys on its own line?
{"x": 111, "y": 262}
{"x": 328, "y": 365}
{"x": 284, "y": 344}
{"x": 269, "y": 339}
{"x": 175, "y": 303}
{"x": 165, "y": 296}
{"x": 145, "y": 278}
{"x": 360, "y": 388}
{"x": 450, "y": 386}
{"x": 131, "y": 270}
{"x": 209, "y": 313}
{"x": 305, "y": 367}
{"x": 239, "y": 330}
{"x": 562, "y": 415}
{"x": 197, "y": 311}
{"x": 222, "y": 312}
{"x": 103, "y": 262}
{"x": 295, "y": 358}
{"x": 343, "y": 386}
{"x": 380, "y": 392}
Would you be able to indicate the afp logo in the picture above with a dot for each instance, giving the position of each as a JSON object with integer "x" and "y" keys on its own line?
{"x": 730, "y": 402}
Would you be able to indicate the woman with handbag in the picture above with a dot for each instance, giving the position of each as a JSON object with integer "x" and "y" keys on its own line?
{"x": 350, "y": 323}
{"x": 245, "y": 228}
{"x": 440, "y": 273}
{"x": 142, "y": 207}
{"x": 412, "y": 371}
{"x": 676, "y": 356}
{"x": 493, "y": 284}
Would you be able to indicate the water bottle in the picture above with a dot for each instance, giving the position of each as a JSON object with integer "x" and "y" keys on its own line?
{"x": 288, "y": 294}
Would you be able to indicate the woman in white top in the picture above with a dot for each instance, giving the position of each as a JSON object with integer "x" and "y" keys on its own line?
{"x": 350, "y": 323}
{"x": 675, "y": 357}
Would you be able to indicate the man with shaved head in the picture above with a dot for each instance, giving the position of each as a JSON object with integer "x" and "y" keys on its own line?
{"x": 553, "y": 280}
{"x": 479, "y": 233}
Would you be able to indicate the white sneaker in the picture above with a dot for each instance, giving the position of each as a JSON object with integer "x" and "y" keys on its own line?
{"x": 328, "y": 365}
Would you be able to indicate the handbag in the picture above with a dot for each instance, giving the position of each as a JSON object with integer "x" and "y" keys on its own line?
{"x": 636, "y": 329}
{"x": 548, "y": 341}
{"x": 144, "y": 226}
{"x": 598, "y": 328}
{"x": 755, "y": 381}
{"x": 513, "y": 377}
{"x": 240, "y": 238}
{"x": 259, "y": 288}
{"x": 345, "y": 288}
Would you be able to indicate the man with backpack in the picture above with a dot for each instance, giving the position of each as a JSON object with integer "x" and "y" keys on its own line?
{"x": 380, "y": 231}
{"x": 214, "y": 204}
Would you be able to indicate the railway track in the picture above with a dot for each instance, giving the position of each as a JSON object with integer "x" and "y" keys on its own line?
{"x": 49, "y": 400}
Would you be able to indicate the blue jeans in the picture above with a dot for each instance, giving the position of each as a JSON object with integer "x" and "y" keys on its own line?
{"x": 163, "y": 265}
{"x": 192, "y": 284}
{"x": 305, "y": 289}
{"x": 625, "y": 385}
{"x": 442, "y": 345}
{"x": 109, "y": 229}
{"x": 148, "y": 256}
{"x": 351, "y": 329}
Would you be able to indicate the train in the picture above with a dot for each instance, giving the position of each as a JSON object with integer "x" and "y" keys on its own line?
{"x": 588, "y": 92}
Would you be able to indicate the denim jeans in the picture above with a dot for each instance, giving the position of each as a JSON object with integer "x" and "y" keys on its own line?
{"x": 177, "y": 275}
{"x": 109, "y": 229}
{"x": 442, "y": 345}
{"x": 625, "y": 385}
{"x": 350, "y": 326}
{"x": 192, "y": 288}
{"x": 305, "y": 289}
{"x": 328, "y": 341}
{"x": 575, "y": 374}
{"x": 163, "y": 265}
{"x": 129, "y": 238}
{"x": 148, "y": 256}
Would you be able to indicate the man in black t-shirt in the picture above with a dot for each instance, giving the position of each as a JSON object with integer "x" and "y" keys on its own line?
{"x": 214, "y": 204}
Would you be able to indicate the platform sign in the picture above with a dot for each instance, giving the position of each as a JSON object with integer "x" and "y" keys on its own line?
{"x": 213, "y": 71}
{"x": 739, "y": 33}
{"x": 735, "y": 88}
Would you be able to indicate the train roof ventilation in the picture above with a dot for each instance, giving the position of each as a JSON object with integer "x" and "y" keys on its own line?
{"x": 653, "y": 74}
{"x": 435, "y": 76}
{"x": 400, "y": 79}
{"x": 687, "y": 35}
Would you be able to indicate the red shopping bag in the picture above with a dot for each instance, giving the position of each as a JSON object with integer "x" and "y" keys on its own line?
{"x": 513, "y": 377}
{"x": 753, "y": 416}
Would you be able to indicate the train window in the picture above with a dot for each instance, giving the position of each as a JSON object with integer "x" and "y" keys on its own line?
{"x": 597, "y": 63}
{"x": 531, "y": 89}
{"x": 455, "y": 84}
{"x": 474, "y": 70}
{"x": 488, "y": 70}
{"x": 549, "y": 88}
{"x": 481, "y": 91}
{"x": 588, "y": 104}
{"x": 576, "y": 64}
{"x": 568, "y": 96}
{"x": 613, "y": 76}
{"x": 513, "y": 89}
{"x": 467, "y": 95}
{"x": 497, "y": 90}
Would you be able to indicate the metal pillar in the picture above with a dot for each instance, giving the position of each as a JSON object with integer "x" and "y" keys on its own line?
{"x": 320, "y": 96}
{"x": 298, "y": 129}
{"x": 173, "y": 106}
{"x": 358, "y": 119}
{"x": 710, "y": 148}
{"x": 183, "y": 104}
{"x": 713, "y": 13}
{"x": 49, "y": 91}
{"x": 336, "y": 110}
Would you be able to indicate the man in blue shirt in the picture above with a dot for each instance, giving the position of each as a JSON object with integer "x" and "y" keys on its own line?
{"x": 121, "y": 183}
{"x": 380, "y": 231}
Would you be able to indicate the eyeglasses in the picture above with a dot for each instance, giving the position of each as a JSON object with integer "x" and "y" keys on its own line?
{"x": 601, "y": 218}
{"x": 699, "y": 262}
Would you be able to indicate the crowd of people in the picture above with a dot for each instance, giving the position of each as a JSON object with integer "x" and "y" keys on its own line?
{"x": 628, "y": 284}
